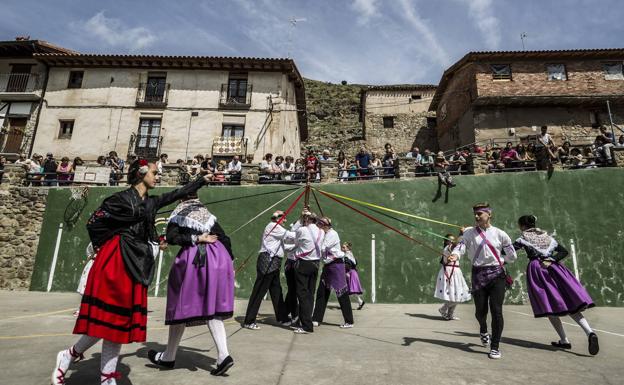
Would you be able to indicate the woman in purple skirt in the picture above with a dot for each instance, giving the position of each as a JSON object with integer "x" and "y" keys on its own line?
{"x": 201, "y": 281}
{"x": 353, "y": 278}
{"x": 553, "y": 290}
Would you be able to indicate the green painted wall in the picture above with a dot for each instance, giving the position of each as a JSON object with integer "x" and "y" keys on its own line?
{"x": 583, "y": 205}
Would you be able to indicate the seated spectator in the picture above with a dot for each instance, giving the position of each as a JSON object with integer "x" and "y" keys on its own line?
{"x": 441, "y": 167}
{"x": 163, "y": 159}
{"x": 194, "y": 169}
{"x": 266, "y": 167}
{"x": 426, "y": 162}
{"x": 77, "y": 162}
{"x": 530, "y": 152}
{"x": 457, "y": 162}
{"x": 312, "y": 166}
{"x": 35, "y": 169}
{"x": 478, "y": 149}
{"x": 493, "y": 159}
{"x": 509, "y": 155}
{"x": 342, "y": 166}
{"x": 220, "y": 173}
{"x": 207, "y": 166}
{"x": 325, "y": 156}
{"x": 375, "y": 165}
{"x": 604, "y": 143}
{"x": 184, "y": 174}
{"x": 64, "y": 172}
{"x": 299, "y": 169}
{"x": 288, "y": 168}
{"x": 276, "y": 167}
{"x": 589, "y": 157}
{"x": 362, "y": 161}
{"x": 49, "y": 169}
{"x": 521, "y": 151}
{"x": 389, "y": 160}
{"x": 22, "y": 159}
{"x": 352, "y": 170}
{"x": 415, "y": 154}
{"x": 234, "y": 168}
{"x": 620, "y": 142}
{"x": 563, "y": 153}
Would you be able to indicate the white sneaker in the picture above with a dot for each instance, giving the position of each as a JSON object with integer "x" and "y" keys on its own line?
{"x": 252, "y": 326}
{"x": 315, "y": 324}
{"x": 299, "y": 331}
{"x": 495, "y": 354}
{"x": 452, "y": 318}
{"x": 63, "y": 359}
{"x": 346, "y": 325}
{"x": 485, "y": 339}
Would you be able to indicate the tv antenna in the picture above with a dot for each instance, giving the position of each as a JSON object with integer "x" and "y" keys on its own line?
{"x": 523, "y": 36}
{"x": 293, "y": 24}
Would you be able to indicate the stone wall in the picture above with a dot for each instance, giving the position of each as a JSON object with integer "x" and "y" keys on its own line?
{"x": 21, "y": 210}
{"x": 409, "y": 130}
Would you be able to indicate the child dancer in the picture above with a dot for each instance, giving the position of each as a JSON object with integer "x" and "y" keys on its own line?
{"x": 553, "y": 290}
{"x": 353, "y": 278}
{"x": 450, "y": 285}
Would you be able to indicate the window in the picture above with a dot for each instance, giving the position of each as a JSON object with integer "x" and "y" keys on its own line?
{"x": 233, "y": 130}
{"x": 613, "y": 71}
{"x": 149, "y": 130}
{"x": 416, "y": 97}
{"x": 501, "y": 71}
{"x": 66, "y": 130}
{"x": 75, "y": 79}
{"x": 155, "y": 87}
{"x": 388, "y": 121}
{"x": 237, "y": 88}
{"x": 556, "y": 72}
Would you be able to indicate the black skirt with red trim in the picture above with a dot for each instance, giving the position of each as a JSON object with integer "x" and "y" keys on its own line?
{"x": 114, "y": 305}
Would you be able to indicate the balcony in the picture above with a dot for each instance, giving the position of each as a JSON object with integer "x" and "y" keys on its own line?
{"x": 20, "y": 86}
{"x": 229, "y": 146}
{"x": 145, "y": 146}
{"x": 152, "y": 95}
{"x": 235, "y": 98}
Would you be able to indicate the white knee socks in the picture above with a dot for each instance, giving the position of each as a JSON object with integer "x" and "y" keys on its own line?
{"x": 556, "y": 323}
{"x": 360, "y": 300}
{"x": 175, "y": 335}
{"x": 217, "y": 329}
{"x": 578, "y": 317}
{"x": 108, "y": 365}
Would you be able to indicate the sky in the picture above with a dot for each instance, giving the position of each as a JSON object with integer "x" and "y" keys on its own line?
{"x": 360, "y": 41}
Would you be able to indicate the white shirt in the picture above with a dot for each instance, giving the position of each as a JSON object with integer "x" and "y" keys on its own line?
{"x": 272, "y": 241}
{"x": 331, "y": 246}
{"x": 545, "y": 139}
{"x": 308, "y": 242}
{"x": 349, "y": 255}
{"x": 479, "y": 252}
{"x": 234, "y": 167}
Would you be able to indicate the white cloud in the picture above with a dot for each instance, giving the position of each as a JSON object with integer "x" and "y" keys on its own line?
{"x": 366, "y": 8}
{"x": 482, "y": 14}
{"x": 435, "y": 49}
{"x": 115, "y": 34}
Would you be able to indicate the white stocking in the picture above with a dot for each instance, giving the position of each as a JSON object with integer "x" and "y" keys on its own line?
{"x": 578, "y": 317}
{"x": 175, "y": 335}
{"x": 556, "y": 323}
{"x": 108, "y": 365}
{"x": 217, "y": 329}
{"x": 360, "y": 300}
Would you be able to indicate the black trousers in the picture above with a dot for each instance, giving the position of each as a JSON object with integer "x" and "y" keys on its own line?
{"x": 322, "y": 297}
{"x": 306, "y": 273}
{"x": 492, "y": 295}
{"x": 292, "y": 305}
{"x": 266, "y": 282}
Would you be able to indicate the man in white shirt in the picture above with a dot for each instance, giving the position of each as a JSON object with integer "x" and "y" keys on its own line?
{"x": 234, "y": 168}
{"x": 488, "y": 248}
{"x": 268, "y": 273}
{"x": 332, "y": 277}
{"x": 308, "y": 242}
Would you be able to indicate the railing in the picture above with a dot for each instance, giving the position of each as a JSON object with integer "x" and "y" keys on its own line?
{"x": 512, "y": 166}
{"x": 229, "y": 98}
{"x": 152, "y": 95}
{"x": 229, "y": 145}
{"x": 287, "y": 177}
{"x": 372, "y": 173}
{"x": 19, "y": 82}
{"x": 145, "y": 146}
{"x": 223, "y": 179}
{"x": 430, "y": 170}
{"x": 53, "y": 179}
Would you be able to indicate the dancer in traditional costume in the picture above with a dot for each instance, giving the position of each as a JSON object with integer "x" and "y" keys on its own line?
{"x": 308, "y": 241}
{"x": 486, "y": 247}
{"x": 201, "y": 281}
{"x": 292, "y": 305}
{"x": 451, "y": 286}
{"x": 332, "y": 277}
{"x": 353, "y": 278}
{"x": 82, "y": 284}
{"x": 268, "y": 274}
{"x": 553, "y": 290}
{"x": 114, "y": 304}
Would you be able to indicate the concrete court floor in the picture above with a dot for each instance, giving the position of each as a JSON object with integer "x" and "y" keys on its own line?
{"x": 391, "y": 344}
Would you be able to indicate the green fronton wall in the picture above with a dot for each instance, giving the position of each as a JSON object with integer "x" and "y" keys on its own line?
{"x": 584, "y": 205}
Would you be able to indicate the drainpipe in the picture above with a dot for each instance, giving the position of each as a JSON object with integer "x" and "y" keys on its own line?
{"x": 43, "y": 90}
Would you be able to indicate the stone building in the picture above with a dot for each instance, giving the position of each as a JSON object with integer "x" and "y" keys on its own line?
{"x": 398, "y": 114}
{"x": 22, "y": 80}
{"x": 179, "y": 105}
{"x": 507, "y": 96}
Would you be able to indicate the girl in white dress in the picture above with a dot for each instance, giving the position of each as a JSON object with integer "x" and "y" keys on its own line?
{"x": 450, "y": 285}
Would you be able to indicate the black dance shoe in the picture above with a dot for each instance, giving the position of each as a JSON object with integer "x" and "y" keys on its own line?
{"x": 593, "y": 344}
{"x": 562, "y": 345}
{"x": 151, "y": 355}
{"x": 223, "y": 367}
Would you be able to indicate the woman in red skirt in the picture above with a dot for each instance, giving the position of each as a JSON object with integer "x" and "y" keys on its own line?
{"x": 114, "y": 304}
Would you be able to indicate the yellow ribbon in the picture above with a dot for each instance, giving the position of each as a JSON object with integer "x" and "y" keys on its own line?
{"x": 389, "y": 210}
